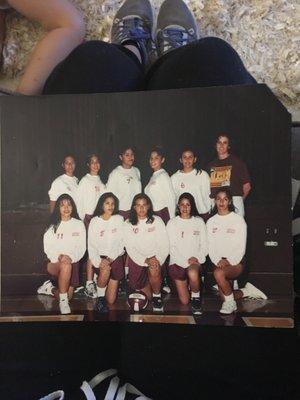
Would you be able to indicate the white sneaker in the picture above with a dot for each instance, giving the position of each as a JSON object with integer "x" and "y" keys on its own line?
{"x": 46, "y": 288}
{"x": 228, "y": 307}
{"x": 90, "y": 290}
{"x": 64, "y": 307}
{"x": 251, "y": 291}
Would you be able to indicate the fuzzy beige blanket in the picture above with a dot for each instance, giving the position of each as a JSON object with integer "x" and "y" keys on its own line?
{"x": 265, "y": 33}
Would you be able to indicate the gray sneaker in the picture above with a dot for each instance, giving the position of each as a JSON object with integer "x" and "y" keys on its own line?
{"x": 134, "y": 22}
{"x": 176, "y": 26}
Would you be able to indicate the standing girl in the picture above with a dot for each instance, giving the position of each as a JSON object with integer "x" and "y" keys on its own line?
{"x": 147, "y": 246}
{"x": 188, "y": 250}
{"x": 105, "y": 247}
{"x": 89, "y": 190}
{"x": 65, "y": 183}
{"x": 65, "y": 245}
{"x": 193, "y": 181}
{"x": 159, "y": 188}
{"x": 227, "y": 234}
{"x": 125, "y": 181}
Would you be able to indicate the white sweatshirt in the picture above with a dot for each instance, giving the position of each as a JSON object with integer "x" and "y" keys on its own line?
{"x": 188, "y": 239}
{"x": 90, "y": 188}
{"x": 69, "y": 239}
{"x": 161, "y": 192}
{"x": 64, "y": 184}
{"x": 146, "y": 240}
{"x": 227, "y": 235}
{"x": 196, "y": 183}
{"x": 105, "y": 237}
{"x": 125, "y": 184}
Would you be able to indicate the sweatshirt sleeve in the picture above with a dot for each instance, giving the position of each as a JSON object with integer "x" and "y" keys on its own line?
{"x": 112, "y": 185}
{"x": 212, "y": 248}
{"x": 81, "y": 193}
{"x": 117, "y": 248}
{"x": 170, "y": 195}
{"x": 50, "y": 245}
{"x": 174, "y": 247}
{"x": 174, "y": 184}
{"x": 239, "y": 248}
{"x": 93, "y": 244}
{"x": 203, "y": 248}
{"x": 205, "y": 191}
{"x": 133, "y": 253}
{"x": 55, "y": 189}
{"x": 162, "y": 241}
{"x": 79, "y": 246}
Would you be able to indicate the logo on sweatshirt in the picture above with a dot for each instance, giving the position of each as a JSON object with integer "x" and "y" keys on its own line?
{"x": 97, "y": 188}
{"x": 196, "y": 233}
{"x": 230, "y": 230}
{"x": 135, "y": 230}
{"x": 128, "y": 179}
{"x": 75, "y": 234}
{"x": 102, "y": 233}
{"x": 114, "y": 230}
{"x": 182, "y": 185}
{"x": 59, "y": 236}
{"x": 152, "y": 229}
{"x": 214, "y": 230}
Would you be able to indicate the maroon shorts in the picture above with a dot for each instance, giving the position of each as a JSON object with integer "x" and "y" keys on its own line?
{"x": 163, "y": 214}
{"x": 125, "y": 214}
{"x": 117, "y": 271}
{"x": 87, "y": 220}
{"x": 137, "y": 275}
{"x": 177, "y": 273}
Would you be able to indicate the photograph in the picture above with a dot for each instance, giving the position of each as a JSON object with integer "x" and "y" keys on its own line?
{"x": 130, "y": 210}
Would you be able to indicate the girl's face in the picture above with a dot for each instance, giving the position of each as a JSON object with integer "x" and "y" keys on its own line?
{"x": 222, "y": 146}
{"x": 141, "y": 208}
{"x": 65, "y": 209}
{"x": 127, "y": 158}
{"x": 94, "y": 165}
{"x": 69, "y": 165}
{"x": 109, "y": 206}
{"x": 188, "y": 160}
{"x": 222, "y": 202}
{"x": 185, "y": 208}
{"x": 156, "y": 161}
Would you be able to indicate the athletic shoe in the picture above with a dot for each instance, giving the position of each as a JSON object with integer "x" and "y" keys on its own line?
{"x": 196, "y": 305}
{"x": 157, "y": 304}
{"x": 101, "y": 304}
{"x": 46, "y": 288}
{"x": 58, "y": 395}
{"x": 251, "y": 291}
{"x": 79, "y": 292}
{"x": 166, "y": 288}
{"x": 64, "y": 307}
{"x": 228, "y": 307}
{"x": 90, "y": 290}
{"x": 134, "y": 23}
{"x": 176, "y": 26}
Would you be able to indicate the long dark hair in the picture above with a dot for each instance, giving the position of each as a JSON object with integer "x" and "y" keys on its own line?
{"x": 133, "y": 218}
{"x": 191, "y": 150}
{"x": 229, "y": 195}
{"x": 55, "y": 217}
{"x": 99, "y": 207}
{"x": 89, "y": 159}
{"x": 190, "y": 198}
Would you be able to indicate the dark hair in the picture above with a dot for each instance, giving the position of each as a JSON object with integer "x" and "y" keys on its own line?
{"x": 55, "y": 217}
{"x": 66, "y": 156}
{"x": 222, "y": 135}
{"x": 133, "y": 218}
{"x": 89, "y": 158}
{"x": 123, "y": 149}
{"x": 229, "y": 195}
{"x": 190, "y": 198}
{"x": 190, "y": 149}
{"x": 159, "y": 150}
{"x": 99, "y": 207}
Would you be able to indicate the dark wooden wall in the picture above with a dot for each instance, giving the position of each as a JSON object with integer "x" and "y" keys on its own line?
{"x": 37, "y": 132}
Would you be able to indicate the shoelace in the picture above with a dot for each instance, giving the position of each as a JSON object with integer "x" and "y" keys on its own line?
{"x": 132, "y": 29}
{"x": 174, "y": 37}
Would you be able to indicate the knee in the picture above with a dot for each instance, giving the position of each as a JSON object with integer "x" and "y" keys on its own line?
{"x": 154, "y": 272}
{"x": 65, "y": 266}
{"x": 219, "y": 274}
{"x": 193, "y": 275}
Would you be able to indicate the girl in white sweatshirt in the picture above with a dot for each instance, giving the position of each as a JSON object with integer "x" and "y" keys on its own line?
{"x": 227, "y": 235}
{"x": 194, "y": 181}
{"x": 188, "y": 250}
{"x": 125, "y": 181}
{"x": 106, "y": 247}
{"x": 159, "y": 188}
{"x": 147, "y": 246}
{"x": 65, "y": 245}
{"x": 89, "y": 191}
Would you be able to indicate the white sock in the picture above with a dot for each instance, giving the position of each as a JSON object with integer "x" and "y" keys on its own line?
{"x": 195, "y": 294}
{"x": 101, "y": 291}
{"x": 157, "y": 295}
{"x": 88, "y": 282}
{"x": 63, "y": 296}
{"x": 229, "y": 298}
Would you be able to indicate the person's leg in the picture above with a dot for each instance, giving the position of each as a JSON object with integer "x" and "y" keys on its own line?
{"x": 90, "y": 290}
{"x": 116, "y": 275}
{"x": 112, "y": 291}
{"x": 182, "y": 290}
{"x": 63, "y": 271}
{"x": 193, "y": 273}
{"x": 102, "y": 281}
{"x": 65, "y": 30}
{"x": 155, "y": 279}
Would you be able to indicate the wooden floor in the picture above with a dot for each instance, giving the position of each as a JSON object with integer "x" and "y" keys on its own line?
{"x": 274, "y": 312}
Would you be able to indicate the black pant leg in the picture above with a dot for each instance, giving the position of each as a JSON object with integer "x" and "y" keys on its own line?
{"x": 96, "y": 67}
{"x": 207, "y": 62}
